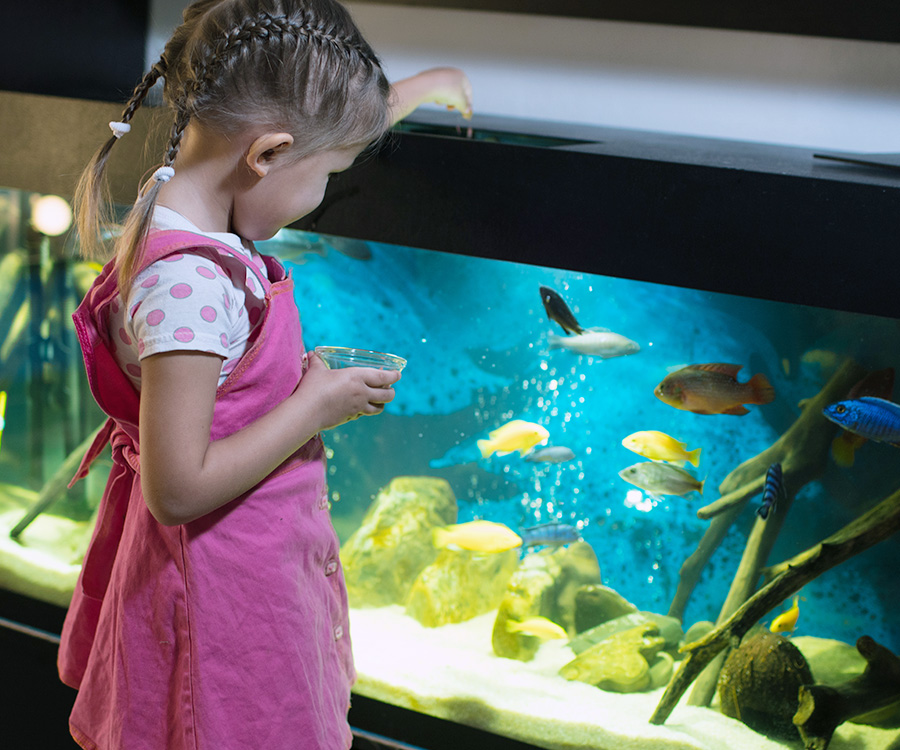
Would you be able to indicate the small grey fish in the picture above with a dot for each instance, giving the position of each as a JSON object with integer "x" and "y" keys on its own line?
{"x": 558, "y": 311}
{"x": 552, "y": 454}
{"x": 552, "y": 534}
{"x": 661, "y": 479}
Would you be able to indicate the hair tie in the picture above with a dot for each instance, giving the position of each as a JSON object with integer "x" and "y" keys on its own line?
{"x": 119, "y": 128}
{"x": 163, "y": 174}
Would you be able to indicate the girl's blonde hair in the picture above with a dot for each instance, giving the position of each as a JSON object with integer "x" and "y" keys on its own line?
{"x": 298, "y": 66}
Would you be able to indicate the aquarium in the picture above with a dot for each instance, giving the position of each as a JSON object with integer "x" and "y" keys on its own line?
{"x": 587, "y": 466}
{"x": 46, "y": 408}
{"x": 462, "y": 627}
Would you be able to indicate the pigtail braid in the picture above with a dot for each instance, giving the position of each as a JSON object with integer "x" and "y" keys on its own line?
{"x": 264, "y": 26}
{"x": 92, "y": 192}
{"x": 139, "y": 220}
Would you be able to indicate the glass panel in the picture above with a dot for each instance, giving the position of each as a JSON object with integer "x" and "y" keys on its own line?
{"x": 46, "y": 408}
{"x": 431, "y": 629}
{"x": 444, "y": 619}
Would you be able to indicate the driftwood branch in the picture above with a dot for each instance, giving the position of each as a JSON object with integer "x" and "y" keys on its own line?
{"x": 824, "y": 708}
{"x": 55, "y": 487}
{"x": 869, "y": 529}
{"x": 803, "y": 453}
{"x": 759, "y": 544}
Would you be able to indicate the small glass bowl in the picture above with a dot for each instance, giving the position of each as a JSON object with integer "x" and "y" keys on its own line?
{"x": 341, "y": 356}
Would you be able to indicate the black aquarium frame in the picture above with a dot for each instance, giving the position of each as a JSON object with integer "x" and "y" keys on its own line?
{"x": 870, "y": 20}
{"x": 742, "y": 218}
{"x": 757, "y": 220}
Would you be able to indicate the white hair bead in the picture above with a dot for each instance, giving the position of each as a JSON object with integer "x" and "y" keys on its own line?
{"x": 119, "y": 128}
{"x": 163, "y": 174}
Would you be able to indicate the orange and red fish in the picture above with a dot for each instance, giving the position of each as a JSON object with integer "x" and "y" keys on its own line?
{"x": 713, "y": 389}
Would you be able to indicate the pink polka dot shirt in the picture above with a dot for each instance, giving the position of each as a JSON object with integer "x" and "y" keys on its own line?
{"x": 189, "y": 302}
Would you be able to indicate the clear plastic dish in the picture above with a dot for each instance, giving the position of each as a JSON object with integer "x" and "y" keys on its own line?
{"x": 341, "y": 356}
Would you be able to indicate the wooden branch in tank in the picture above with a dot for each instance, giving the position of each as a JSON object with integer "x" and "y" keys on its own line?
{"x": 55, "y": 487}
{"x": 803, "y": 453}
{"x": 869, "y": 529}
{"x": 759, "y": 544}
{"x": 823, "y": 708}
{"x": 692, "y": 567}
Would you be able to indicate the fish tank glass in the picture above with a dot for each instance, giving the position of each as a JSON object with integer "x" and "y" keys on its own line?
{"x": 46, "y": 408}
{"x": 579, "y": 475}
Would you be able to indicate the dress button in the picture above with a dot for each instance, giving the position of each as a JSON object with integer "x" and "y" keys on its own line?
{"x": 331, "y": 568}
{"x": 338, "y": 632}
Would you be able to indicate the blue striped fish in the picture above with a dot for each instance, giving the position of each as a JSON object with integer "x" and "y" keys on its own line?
{"x": 773, "y": 492}
{"x": 869, "y": 417}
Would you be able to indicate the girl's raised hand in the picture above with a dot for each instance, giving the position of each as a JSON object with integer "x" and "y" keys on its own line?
{"x": 338, "y": 396}
{"x": 447, "y": 86}
{"x": 452, "y": 88}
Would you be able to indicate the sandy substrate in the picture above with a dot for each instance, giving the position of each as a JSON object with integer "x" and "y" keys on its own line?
{"x": 45, "y": 561}
{"x": 451, "y": 672}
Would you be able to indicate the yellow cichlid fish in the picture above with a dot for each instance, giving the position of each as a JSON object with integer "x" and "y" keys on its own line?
{"x": 539, "y": 627}
{"x": 844, "y": 447}
{"x": 517, "y": 435}
{"x": 787, "y": 621}
{"x": 476, "y": 536}
{"x": 660, "y": 447}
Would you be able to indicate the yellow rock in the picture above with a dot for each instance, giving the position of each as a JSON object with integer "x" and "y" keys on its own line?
{"x": 618, "y": 663}
{"x": 460, "y": 585}
{"x": 392, "y": 545}
{"x": 544, "y": 585}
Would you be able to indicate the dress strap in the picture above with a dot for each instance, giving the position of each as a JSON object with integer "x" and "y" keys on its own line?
{"x": 101, "y": 438}
{"x": 161, "y": 243}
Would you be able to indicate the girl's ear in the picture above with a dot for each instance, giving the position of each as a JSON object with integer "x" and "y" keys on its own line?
{"x": 262, "y": 152}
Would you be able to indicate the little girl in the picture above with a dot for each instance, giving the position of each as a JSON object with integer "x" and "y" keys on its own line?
{"x": 211, "y": 611}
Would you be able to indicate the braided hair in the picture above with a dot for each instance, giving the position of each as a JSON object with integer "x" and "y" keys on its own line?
{"x": 298, "y": 66}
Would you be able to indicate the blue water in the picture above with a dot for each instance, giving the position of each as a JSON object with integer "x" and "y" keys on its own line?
{"x": 475, "y": 334}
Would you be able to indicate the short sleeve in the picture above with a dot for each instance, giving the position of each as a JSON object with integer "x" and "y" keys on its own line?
{"x": 183, "y": 302}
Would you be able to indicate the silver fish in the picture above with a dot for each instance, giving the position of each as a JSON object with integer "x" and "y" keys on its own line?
{"x": 552, "y": 534}
{"x": 596, "y": 342}
{"x": 552, "y": 454}
{"x": 661, "y": 479}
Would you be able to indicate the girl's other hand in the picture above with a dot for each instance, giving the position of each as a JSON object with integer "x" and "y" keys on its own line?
{"x": 338, "y": 396}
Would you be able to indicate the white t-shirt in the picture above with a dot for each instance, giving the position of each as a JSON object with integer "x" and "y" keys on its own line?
{"x": 189, "y": 302}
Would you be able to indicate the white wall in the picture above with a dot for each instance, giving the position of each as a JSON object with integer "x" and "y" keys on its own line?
{"x": 806, "y": 91}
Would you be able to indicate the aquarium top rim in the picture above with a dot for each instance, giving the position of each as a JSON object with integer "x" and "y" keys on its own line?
{"x": 629, "y": 143}
{"x": 49, "y": 139}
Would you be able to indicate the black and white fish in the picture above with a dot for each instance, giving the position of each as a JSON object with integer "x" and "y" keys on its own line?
{"x": 596, "y": 342}
{"x": 558, "y": 311}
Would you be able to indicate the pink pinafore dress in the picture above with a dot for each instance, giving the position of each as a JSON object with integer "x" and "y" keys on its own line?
{"x": 230, "y": 631}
